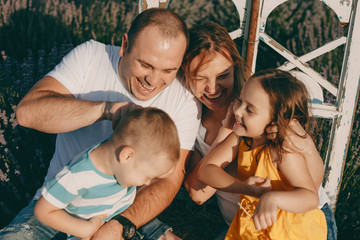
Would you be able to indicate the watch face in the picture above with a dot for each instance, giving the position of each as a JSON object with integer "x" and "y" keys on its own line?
{"x": 129, "y": 232}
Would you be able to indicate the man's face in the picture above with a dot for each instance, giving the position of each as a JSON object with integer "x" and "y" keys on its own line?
{"x": 152, "y": 63}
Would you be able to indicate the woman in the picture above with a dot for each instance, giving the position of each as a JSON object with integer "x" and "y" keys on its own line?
{"x": 214, "y": 72}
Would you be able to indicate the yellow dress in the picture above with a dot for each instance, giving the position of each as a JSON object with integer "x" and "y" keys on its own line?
{"x": 308, "y": 225}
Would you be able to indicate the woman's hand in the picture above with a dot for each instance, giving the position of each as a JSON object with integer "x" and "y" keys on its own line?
{"x": 296, "y": 138}
{"x": 265, "y": 213}
{"x": 229, "y": 119}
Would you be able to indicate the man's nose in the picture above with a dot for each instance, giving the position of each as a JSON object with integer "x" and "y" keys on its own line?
{"x": 154, "y": 78}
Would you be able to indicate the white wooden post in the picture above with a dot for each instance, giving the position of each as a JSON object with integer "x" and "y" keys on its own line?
{"x": 346, "y": 104}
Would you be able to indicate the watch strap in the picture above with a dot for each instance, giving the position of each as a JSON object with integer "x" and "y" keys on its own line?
{"x": 129, "y": 228}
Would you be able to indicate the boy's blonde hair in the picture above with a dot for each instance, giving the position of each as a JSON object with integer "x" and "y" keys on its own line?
{"x": 151, "y": 130}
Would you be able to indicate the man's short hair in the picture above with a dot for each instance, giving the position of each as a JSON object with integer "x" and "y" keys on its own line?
{"x": 169, "y": 23}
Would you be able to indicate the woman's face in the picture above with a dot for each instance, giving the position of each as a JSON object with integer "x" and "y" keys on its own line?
{"x": 213, "y": 84}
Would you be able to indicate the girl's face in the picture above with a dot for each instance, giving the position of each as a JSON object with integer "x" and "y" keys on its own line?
{"x": 252, "y": 110}
{"x": 213, "y": 84}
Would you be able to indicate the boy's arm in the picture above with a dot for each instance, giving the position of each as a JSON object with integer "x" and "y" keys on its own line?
{"x": 60, "y": 220}
{"x": 149, "y": 202}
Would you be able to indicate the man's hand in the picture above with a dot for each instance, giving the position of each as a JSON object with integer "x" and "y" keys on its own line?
{"x": 115, "y": 110}
{"x": 111, "y": 230}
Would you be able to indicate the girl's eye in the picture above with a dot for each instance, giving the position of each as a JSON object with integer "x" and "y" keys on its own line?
{"x": 249, "y": 110}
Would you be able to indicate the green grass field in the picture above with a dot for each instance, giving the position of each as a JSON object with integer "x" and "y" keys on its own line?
{"x": 35, "y": 35}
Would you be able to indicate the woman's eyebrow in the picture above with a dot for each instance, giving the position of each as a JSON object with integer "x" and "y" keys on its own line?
{"x": 225, "y": 71}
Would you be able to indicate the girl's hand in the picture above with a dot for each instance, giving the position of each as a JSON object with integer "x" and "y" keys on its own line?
{"x": 259, "y": 186}
{"x": 265, "y": 213}
{"x": 230, "y": 119}
{"x": 94, "y": 224}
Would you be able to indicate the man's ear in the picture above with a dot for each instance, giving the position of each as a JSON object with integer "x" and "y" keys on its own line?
{"x": 124, "y": 44}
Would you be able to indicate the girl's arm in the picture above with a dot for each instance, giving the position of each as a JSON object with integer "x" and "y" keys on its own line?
{"x": 211, "y": 171}
{"x": 304, "y": 197}
{"x": 60, "y": 220}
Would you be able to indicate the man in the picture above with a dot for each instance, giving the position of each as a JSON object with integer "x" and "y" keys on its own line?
{"x": 95, "y": 82}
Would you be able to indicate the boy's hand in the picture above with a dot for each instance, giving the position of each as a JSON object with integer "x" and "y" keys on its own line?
{"x": 265, "y": 213}
{"x": 94, "y": 224}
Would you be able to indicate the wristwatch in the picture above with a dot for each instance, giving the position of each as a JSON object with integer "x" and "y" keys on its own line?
{"x": 129, "y": 229}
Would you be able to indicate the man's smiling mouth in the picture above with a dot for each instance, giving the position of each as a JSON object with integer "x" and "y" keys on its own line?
{"x": 144, "y": 87}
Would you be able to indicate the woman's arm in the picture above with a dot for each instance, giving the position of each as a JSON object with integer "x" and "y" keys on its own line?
{"x": 60, "y": 220}
{"x": 198, "y": 191}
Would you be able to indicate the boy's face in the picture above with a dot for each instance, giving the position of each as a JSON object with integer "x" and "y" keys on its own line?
{"x": 141, "y": 170}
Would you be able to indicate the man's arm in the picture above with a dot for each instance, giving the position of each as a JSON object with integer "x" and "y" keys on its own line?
{"x": 50, "y": 107}
{"x": 149, "y": 202}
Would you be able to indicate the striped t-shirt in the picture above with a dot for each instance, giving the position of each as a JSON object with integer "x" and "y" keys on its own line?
{"x": 84, "y": 191}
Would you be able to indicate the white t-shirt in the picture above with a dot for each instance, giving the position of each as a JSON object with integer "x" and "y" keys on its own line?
{"x": 227, "y": 202}
{"x": 90, "y": 72}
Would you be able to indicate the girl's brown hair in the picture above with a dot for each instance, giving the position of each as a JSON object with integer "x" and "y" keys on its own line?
{"x": 288, "y": 100}
{"x": 207, "y": 39}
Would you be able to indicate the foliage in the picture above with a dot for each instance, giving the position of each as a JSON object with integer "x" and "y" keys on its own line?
{"x": 35, "y": 35}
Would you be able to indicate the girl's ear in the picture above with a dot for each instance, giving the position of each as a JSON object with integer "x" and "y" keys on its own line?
{"x": 126, "y": 154}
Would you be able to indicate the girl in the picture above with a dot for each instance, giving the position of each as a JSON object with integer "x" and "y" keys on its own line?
{"x": 289, "y": 210}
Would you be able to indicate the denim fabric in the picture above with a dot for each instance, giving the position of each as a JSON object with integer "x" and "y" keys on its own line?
{"x": 26, "y": 226}
{"x": 332, "y": 230}
{"x": 152, "y": 230}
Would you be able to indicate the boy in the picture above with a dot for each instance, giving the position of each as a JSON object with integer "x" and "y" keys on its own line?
{"x": 100, "y": 183}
